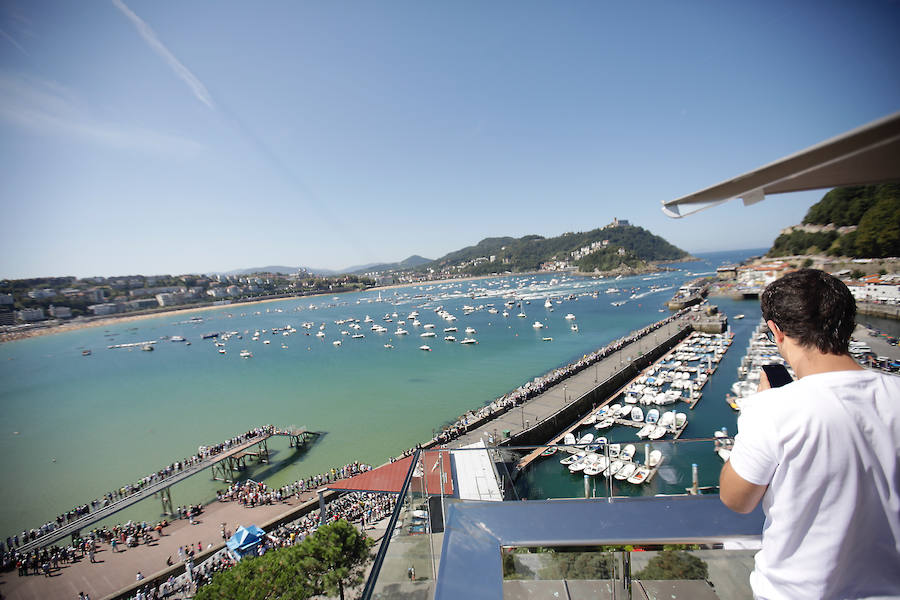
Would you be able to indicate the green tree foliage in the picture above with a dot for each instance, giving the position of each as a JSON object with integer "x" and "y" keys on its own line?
{"x": 842, "y": 206}
{"x": 608, "y": 259}
{"x": 874, "y": 209}
{"x": 801, "y": 242}
{"x": 528, "y": 252}
{"x": 336, "y": 555}
{"x": 878, "y": 234}
{"x": 330, "y": 560}
{"x": 674, "y": 564}
{"x": 579, "y": 564}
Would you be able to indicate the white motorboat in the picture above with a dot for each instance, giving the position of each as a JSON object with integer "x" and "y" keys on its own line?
{"x": 425, "y": 348}
{"x": 596, "y": 466}
{"x": 547, "y": 303}
{"x": 585, "y": 439}
{"x": 450, "y": 329}
{"x": 569, "y": 439}
{"x": 570, "y": 317}
{"x": 637, "y": 414}
{"x": 626, "y": 471}
{"x": 613, "y": 468}
{"x": 470, "y": 330}
{"x": 449, "y": 338}
{"x": 639, "y": 476}
{"x": 357, "y": 336}
{"x": 723, "y": 445}
{"x": 537, "y": 325}
{"x": 321, "y": 334}
{"x": 646, "y": 430}
{"x": 469, "y": 341}
{"x": 221, "y": 350}
{"x": 604, "y": 423}
{"x": 654, "y": 459}
{"x": 427, "y": 334}
{"x": 615, "y": 410}
{"x": 652, "y": 416}
{"x": 657, "y": 432}
{"x": 389, "y": 346}
{"x": 428, "y": 326}
{"x": 574, "y": 327}
{"x": 627, "y": 453}
{"x": 572, "y": 458}
{"x": 581, "y": 463}
{"x": 680, "y": 420}
{"x": 336, "y": 342}
{"x": 246, "y": 354}
{"x": 614, "y": 450}
{"x": 401, "y": 331}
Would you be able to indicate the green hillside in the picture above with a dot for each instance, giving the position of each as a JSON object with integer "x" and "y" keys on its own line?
{"x": 529, "y": 252}
{"x": 874, "y": 212}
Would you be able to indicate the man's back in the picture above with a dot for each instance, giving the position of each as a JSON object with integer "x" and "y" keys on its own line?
{"x": 827, "y": 446}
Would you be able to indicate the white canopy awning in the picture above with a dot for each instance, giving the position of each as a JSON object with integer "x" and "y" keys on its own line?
{"x": 867, "y": 155}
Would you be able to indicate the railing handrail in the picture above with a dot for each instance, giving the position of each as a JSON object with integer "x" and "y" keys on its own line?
{"x": 389, "y": 531}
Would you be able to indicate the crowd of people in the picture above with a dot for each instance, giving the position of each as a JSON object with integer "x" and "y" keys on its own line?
{"x": 251, "y": 493}
{"x": 540, "y": 384}
{"x": 363, "y": 508}
{"x": 113, "y": 496}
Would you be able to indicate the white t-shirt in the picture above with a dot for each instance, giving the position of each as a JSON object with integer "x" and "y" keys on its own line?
{"x": 828, "y": 447}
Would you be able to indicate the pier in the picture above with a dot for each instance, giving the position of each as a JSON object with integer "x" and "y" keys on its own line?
{"x": 668, "y": 349}
{"x": 544, "y": 415}
{"x": 232, "y": 456}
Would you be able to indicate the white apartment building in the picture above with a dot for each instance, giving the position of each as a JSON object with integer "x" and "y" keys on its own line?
{"x": 30, "y": 314}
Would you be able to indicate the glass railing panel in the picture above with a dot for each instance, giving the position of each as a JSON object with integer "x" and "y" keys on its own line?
{"x": 411, "y": 559}
{"x": 692, "y": 572}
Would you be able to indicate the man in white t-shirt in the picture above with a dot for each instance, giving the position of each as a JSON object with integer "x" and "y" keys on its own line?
{"x": 821, "y": 453}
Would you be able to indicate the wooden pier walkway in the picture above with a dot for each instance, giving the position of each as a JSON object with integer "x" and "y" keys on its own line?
{"x": 161, "y": 486}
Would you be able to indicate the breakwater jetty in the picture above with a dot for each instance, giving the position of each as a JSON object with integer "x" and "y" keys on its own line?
{"x": 691, "y": 293}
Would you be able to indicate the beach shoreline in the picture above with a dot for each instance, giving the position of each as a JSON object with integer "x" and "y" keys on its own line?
{"x": 65, "y": 326}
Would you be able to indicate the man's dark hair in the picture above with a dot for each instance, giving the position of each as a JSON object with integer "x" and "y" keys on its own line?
{"x": 812, "y": 307}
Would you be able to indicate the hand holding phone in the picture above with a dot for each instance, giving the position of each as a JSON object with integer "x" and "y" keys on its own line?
{"x": 773, "y": 375}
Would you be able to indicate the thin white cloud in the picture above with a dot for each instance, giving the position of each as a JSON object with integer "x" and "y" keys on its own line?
{"x": 48, "y": 108}
{"x": 197, "y": 88}
{"x": 12, "y": 41}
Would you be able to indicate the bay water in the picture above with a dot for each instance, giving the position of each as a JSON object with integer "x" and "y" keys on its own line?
{"x": 75, "y": 427}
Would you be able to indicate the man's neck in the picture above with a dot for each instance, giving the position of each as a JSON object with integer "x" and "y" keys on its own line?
{"x": 810, "y": 361}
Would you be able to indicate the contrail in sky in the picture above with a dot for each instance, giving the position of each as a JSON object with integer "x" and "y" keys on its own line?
{"x": 13, "y": 42}
{"x": 202, "y": 94}
{"x": 199, "y": 90}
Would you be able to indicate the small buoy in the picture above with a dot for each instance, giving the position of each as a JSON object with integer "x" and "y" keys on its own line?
{"x": 54, "y": 460}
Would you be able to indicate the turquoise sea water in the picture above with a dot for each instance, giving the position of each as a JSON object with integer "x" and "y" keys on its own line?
{"x": 75, "y": 427}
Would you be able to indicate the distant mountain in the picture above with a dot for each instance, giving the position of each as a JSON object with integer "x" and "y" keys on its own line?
{"x": 404, "y": 265}
{"x": 607, "y": 248}
{"x": 281, "y": 270}
{"x": 854, "y": 221}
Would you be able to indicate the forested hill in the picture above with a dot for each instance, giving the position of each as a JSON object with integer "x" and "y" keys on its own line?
{"x": 856, "y": 221}
{"x": 638, "y": 246}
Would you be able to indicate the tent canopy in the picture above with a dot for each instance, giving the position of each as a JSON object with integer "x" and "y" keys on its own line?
{"x": 866, "y": 155}
{"x": 245, "y": 539}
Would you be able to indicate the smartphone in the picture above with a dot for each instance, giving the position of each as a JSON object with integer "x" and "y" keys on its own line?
{"x": 777, "y": 375}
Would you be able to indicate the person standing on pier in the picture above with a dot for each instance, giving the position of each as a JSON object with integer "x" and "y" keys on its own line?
{"x": 821, "y": 453}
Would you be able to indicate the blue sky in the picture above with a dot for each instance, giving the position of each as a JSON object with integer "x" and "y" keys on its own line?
{"x": 141, "y": 136}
